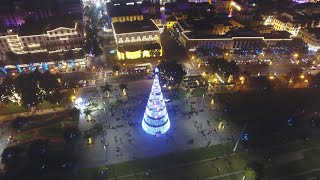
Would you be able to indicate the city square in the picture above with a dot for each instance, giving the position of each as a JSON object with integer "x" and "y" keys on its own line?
{"x": 159, "y": 90}
{"x": 124, "y": 139}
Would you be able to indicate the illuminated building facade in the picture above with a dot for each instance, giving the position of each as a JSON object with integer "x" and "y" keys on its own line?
{"x": 311, "y": 36}
{"x": 156, "y": 120}
{"x": 286, "y": 22}
{"x": 306, "y": 1}
{"x": 230, "y": 41}
{"x": 41, "y": 38}
{"x": 15, "y": 12}
{"x": 137, "y": 39}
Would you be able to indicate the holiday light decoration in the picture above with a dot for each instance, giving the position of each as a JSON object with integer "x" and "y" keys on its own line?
{"x": 156, "y": 120}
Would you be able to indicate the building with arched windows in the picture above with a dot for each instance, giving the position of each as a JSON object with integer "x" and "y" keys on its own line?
{"x": 137, "y": 39}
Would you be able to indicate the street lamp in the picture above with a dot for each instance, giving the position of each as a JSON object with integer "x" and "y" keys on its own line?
{"x": 241, "y": 79}
{"x": 302, "y": 76}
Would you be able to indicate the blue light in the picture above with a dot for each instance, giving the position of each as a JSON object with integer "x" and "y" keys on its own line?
{"x": 156, "y": 120}
{"x": 290, "y": 121}
{"x": 32, "y": 67}
{"x": 244, "y": 137}
{"x": 45, "y": 66}
{"x": 3, "y": 69}
{"x": 19, "y": 69}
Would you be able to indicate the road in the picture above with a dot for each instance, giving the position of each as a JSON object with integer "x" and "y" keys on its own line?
{"x": 5, "y": 133}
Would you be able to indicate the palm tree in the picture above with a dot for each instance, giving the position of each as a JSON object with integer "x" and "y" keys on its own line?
{"x": 87, "y": 112}
{"x": 123, "y": 86}
{"x": 107, "y": 88}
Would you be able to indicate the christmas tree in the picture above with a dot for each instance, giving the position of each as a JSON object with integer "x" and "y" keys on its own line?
{"x": 156, "y": 120}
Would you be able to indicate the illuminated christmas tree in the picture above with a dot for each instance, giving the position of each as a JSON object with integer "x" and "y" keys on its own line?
{"x": 156, "y": 120}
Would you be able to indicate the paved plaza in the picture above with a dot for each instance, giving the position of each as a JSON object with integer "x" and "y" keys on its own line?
{"x": 123, "y": 138}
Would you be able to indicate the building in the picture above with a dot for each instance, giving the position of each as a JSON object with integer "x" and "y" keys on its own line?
{"x": 240, "y": 39}
{"x": 311, "y": 36}
{"x": 137, "y": 39}
{"x": 287, "y": 22}
{"x": 15, "y": 12}
{"x": 132, "y": 11}
{"x": 308, "y": 8}
{"x": 33, "y": 37}
{"x": 228, "y": 6}
{"x": 218, "y": 26}
{"x": 306, "y": 1}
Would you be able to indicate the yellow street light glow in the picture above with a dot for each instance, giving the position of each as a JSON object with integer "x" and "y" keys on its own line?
{"x": 220, "y": 79}
{"x": 241, "y": 79}
{"x": 302, "y": 76}
{"x": 290, "y": 81}
{"x": 89, "y": 141}
{"x": 220, "y": 126}
{"x": 296, "y": 55}
{"x": 271, "y": 77}
{"x": 89, "y": 117}
{"x": 73, "y": 98}
{"x": 215, "y": 80}
{"x": 306, "y": 81}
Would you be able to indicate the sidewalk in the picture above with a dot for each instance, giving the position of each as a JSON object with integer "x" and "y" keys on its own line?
{"x": 179, "y": 166}
{"x": 4, "y": 118}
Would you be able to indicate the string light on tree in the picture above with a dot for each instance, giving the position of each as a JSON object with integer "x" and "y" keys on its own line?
{"x": 156, "y": 120}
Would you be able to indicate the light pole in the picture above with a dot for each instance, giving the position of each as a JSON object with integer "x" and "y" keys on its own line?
{"x": 105, "y": 149}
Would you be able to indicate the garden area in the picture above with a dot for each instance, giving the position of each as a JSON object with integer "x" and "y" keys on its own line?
{"x": 56, "y": 126}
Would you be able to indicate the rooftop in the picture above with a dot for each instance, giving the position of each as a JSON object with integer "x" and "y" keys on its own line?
{"x": 123, "y": 11}
{"x": 31, "y": 27}
{"x": 134, "y": 26}
{"x": 121, "y": 8}
{"x": 203, "y": 24}
{"x": 315, "y": 31}
{"x": 240, "y": 33}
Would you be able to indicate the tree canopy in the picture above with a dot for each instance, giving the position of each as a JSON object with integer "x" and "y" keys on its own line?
{"x": 92, "y": 43}
{"x": 30, "y": 89}
{"x": 223, "y": 67}
{"x": 171, "y": 73}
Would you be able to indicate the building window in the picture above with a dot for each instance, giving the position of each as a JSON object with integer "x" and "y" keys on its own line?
{"x": 56, "y": 32}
